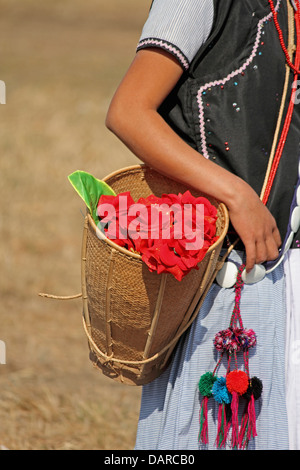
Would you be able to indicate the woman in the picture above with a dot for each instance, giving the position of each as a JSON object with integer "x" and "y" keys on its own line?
{"x": 200, "y": 103}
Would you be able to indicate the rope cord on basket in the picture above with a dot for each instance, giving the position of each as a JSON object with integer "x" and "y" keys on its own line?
{"x": 156, "y": 315}
{"x": 60, "y": 297}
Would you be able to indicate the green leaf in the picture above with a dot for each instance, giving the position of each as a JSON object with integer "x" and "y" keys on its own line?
{"x": 90, "y": 189}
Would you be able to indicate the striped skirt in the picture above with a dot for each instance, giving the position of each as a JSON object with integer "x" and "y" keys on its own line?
{"x": 170, "y": 406}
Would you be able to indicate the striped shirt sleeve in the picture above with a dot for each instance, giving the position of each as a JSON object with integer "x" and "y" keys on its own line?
{"x": 178, "y": 26}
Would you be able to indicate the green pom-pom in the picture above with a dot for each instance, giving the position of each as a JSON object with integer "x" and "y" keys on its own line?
{"x": 206, "y": 383}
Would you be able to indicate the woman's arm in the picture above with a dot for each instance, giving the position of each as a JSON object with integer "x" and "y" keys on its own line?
{"x": 133, "y": 117}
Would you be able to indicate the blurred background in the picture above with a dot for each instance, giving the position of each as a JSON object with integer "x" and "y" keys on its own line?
{"x": 61, "y": 62}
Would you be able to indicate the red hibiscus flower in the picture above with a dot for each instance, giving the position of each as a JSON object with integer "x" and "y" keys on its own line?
{"x": 172, "y": 233}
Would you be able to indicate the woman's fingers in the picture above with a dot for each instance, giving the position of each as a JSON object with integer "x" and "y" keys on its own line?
{"x": 256, "y": 227}
{"x": 277, "y": 237}
{"x": 263, "y": 248}
{"x": 250, "y": 248}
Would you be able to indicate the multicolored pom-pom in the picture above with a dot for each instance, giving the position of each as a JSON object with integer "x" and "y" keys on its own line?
{"x": 234, "y": 340}
{"x": 255, "y": 388}
{"x": 206, "y": 383}
{"x": 237, "y": 381}
{"x": 220, "y": 391}
{"x": 247, "y": 338}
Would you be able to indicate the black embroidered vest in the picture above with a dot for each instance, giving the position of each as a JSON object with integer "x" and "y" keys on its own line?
{"x": 226, "y": 105}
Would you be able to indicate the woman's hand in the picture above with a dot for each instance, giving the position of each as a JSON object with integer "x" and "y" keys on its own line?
{"x": 255, "y": 225}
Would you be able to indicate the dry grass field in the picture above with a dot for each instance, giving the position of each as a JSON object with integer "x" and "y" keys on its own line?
{"x": 61, "y": 62}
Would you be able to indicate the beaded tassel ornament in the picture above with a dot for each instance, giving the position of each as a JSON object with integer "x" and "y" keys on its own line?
{"x": 226, "y": 391}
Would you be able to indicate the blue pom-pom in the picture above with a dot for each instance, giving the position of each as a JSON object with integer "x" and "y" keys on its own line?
{"x": 220, "y": 392}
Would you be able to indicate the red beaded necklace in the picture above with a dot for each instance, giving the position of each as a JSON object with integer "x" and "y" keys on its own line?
{"x": 288, "y": 118}
{"x": 275, "y": 14}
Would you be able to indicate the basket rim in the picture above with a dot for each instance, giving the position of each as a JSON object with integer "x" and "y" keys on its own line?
{"x": 114, "y": 245}
{"x": 137, "y": 256}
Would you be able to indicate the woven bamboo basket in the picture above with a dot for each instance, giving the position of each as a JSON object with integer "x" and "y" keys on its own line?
{"x": 133, "y": 318}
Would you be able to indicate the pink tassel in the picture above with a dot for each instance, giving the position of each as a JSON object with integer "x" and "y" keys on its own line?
{"x": 223, "y": 427}
{"x": 252, "y": 419}
{"x": 228, "y": 425}
{"x": 248, "y": 426}
{"x": 203, "y": 434}
{"x": 244, "y": 429}
{"x": 235, "y": 422}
